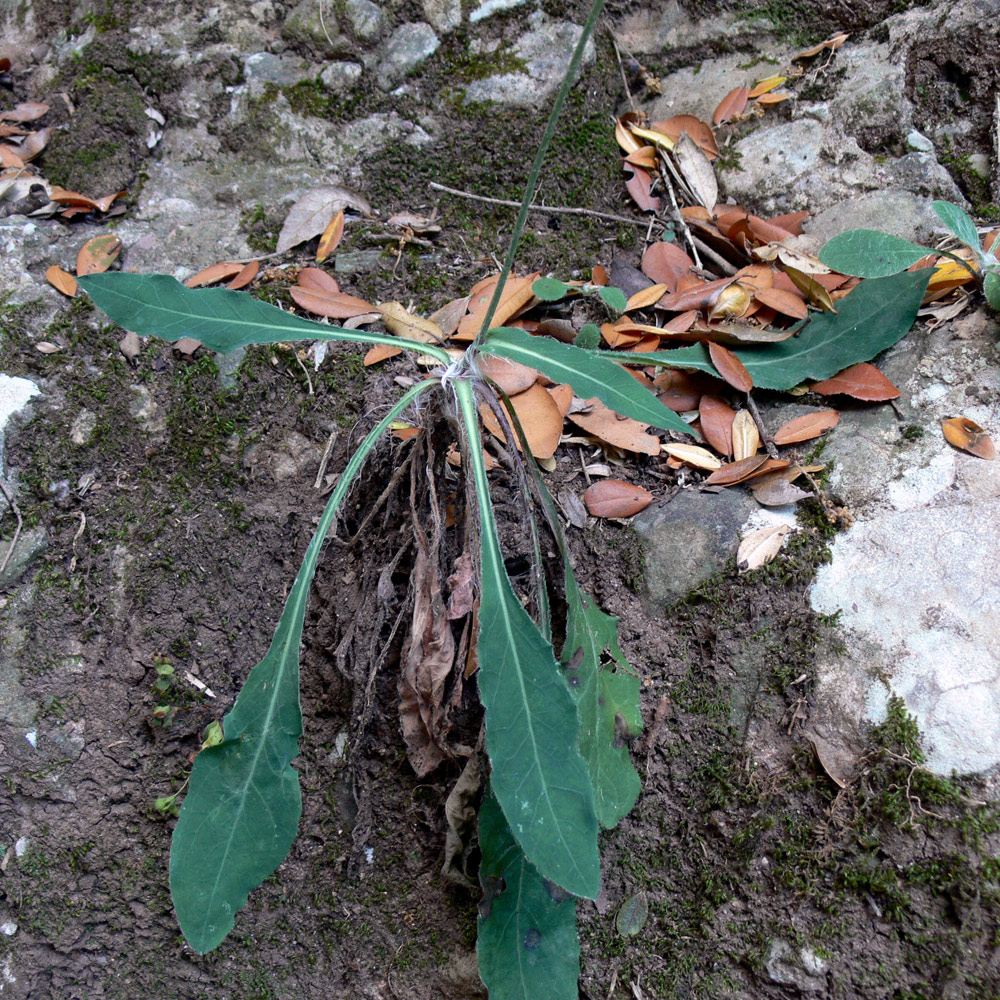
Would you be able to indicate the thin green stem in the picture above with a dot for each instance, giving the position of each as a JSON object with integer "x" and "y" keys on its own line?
{"x": 536, "y": 169}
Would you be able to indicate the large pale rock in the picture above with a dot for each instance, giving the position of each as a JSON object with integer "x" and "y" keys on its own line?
{"x": 545, "y": 52}
{"x": 917, "y": 578}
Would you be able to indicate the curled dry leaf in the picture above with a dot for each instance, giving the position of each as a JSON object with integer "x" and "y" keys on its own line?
{"x": 332, "y": 235}
{"x": 717, "y": 423}
{"x": 61, "y": 280}
{"x": 638, "y": 185}
{"x": 332, "y": 305}
{"x": 614, "y": 498}
{"x": 516, "y": 295}
{"x": 733, "y": 104}
{"x": 969, "y": 436}
{"x": 65, "y": 197}
{"x": 313, "y": 212}
{"x": 767, "y": 85}
{"x": 216, "y": 272}
{"x": 806, "y": 427}
{"x": 760, "y": 547}
{"x": 730, "y": 367}
{"x": 862, "y": 381}
{"x": 612, "y": 428}
{"x": 832, "y": 43}
{"x": 730, "y": 302}
{"x": 747, "y": 468}
{"x": 746, "y": 439}
{"x": 701, "y": 132}
{"x": 450, "y": 315}
{"x": 700, "y": 458}
{"x": 401, "y": 323}
{"x": 98, "y": 254}
{"x": 645, "y": 157}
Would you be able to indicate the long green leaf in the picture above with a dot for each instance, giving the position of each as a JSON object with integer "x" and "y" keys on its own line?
{"x": 160, "y": 306}
{"x": 608, "y": 702}
{"x": 527, "y": 947}
{"x": 872, "y": 318}
{"x": 590, "y": 373}
{"x": 958, "y": 222}
{"x": 241, "y": 813}
{"x": 538, "y": 775}
{"x": 870, "y": 254}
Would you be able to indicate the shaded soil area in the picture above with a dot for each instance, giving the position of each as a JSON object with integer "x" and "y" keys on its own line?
{"x": 177, "y": 500}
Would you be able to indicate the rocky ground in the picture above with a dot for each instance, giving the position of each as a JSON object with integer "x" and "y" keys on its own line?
{"x": 819, "y": 814}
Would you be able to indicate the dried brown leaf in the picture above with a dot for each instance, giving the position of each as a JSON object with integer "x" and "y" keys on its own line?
{"x": 314, "y": 211}
{"x": 614, "y": 498}
{"x": 614, "y": 429}
{"x": 332, "y": 235}
{"x": 402, "y": 323}
{"x": 61, "y": 280}
{"x": 216, "y": 272}
{"x": 246, "y": 275}
{"x": 969, "y": 436}
{"x": 730, "y": 367}
{"x": 692, "y": 454}
{"x": 637, "y": 184}
{"x": 806, "y": 427}
{"x": 337, "y": 305}
{"x": 746, "y": 439}
{"x": 733, "y": 104}
{"x": 862, "y": 381}
{"x": 760, "y": 547}
{"x": 717, "y": 423}
{"x": 98, "y": 254}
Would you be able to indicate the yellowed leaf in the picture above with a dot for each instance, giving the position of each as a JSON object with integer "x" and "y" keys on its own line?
{"x": 61, "y": 280}
{"x": 700, "y": 458}
{"x": 760, "y": 547}
{"x": 332, "y": 235}
{"x": 746, "y": 439}
{"x": 401, "y": 323}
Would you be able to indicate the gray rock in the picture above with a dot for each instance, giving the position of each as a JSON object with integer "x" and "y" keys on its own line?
{"x": 340, "y": 75}
{"x": 545, "y": 51}
{"x": 314, "y": 23}
{"x": 146, "y": 411}
{"x": 916, "y": 577}
{"x": 801, "y": 969}
{"x": 408, "y": 47}
{"x": 30, "y": 545}
{"x": 283, "y": 71}
{"x": 900, "y": 213}
{"x": 488, "y": 7}
{"x": 687, "y": 540}
{"x": 367, "y": 19}
{"x": 919, "y": 142}
{"x": 443, "y": 15}
{"x": 660, "y": 27}
{"x": 83, "y": 427}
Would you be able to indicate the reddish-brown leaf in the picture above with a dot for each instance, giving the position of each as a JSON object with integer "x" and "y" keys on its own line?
{"x": 806, "y": 427}
{"x": 540, "y": 420}
{"x": 701, "y": 132}
{"x": 730, "y": 367}
{"x": 665, "y": 262}
{"x": 317, "y": 280}
{"x": 26, "y": 111}
{"x": 862, "y": 381}
{"x": 61, "y": 280}
{"x": 245, "y": 276}
{"x": 747, "y": 468}
{"x": 717, "y": 423}
{"x": 380, "y": 352}
{"x": 65, "y": 197}
{"x": 969, "y": 436}
{"x": 509, "y": 375}
{"x": 792, "y": 222}
{"x": 786, "y": 303}
{"x": 733, "y": 104}
{"x": 614, "y": 498}
{"x": 216, "y": 272}
{"x": 98, "y": 254}
{"x": 698, "y": 297}
{"x": 599, "y": 275}
{"x": 613, "y": 428}
{"x": 332, "y": 305}
{"x": 638, "y": 187}
{"x": 8, "y": 158}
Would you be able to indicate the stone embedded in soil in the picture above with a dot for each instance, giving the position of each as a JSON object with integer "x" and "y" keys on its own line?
{"x": 917, "y": 577}
{"x": 802, "y": 969}
{"x": 409, "y": 46}
{"x": 262, "y": 68}
{"x": 30, "y": 545}
{"x": 315, "y": 25}
{"x": 489, "y": 7}
{"x": 545, "y": 52}
{"x": 340, "y": 75}
{"x": 367, "y": 19}
{"x": 687, "y": 540}
{"x": 443, "y": 15}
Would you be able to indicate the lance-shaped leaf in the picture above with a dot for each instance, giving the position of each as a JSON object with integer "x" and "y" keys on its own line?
{"x": 607, "y": 697}
{"x": 527, "y": 947}
{"x": 590, "y": 373}
{"x": 873, "y": 317}
{"x": 160, "y": 306}
{"x": 242, "y": 810}
{"x": 539, "y": 777}
{"x": 870, "y": 254}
